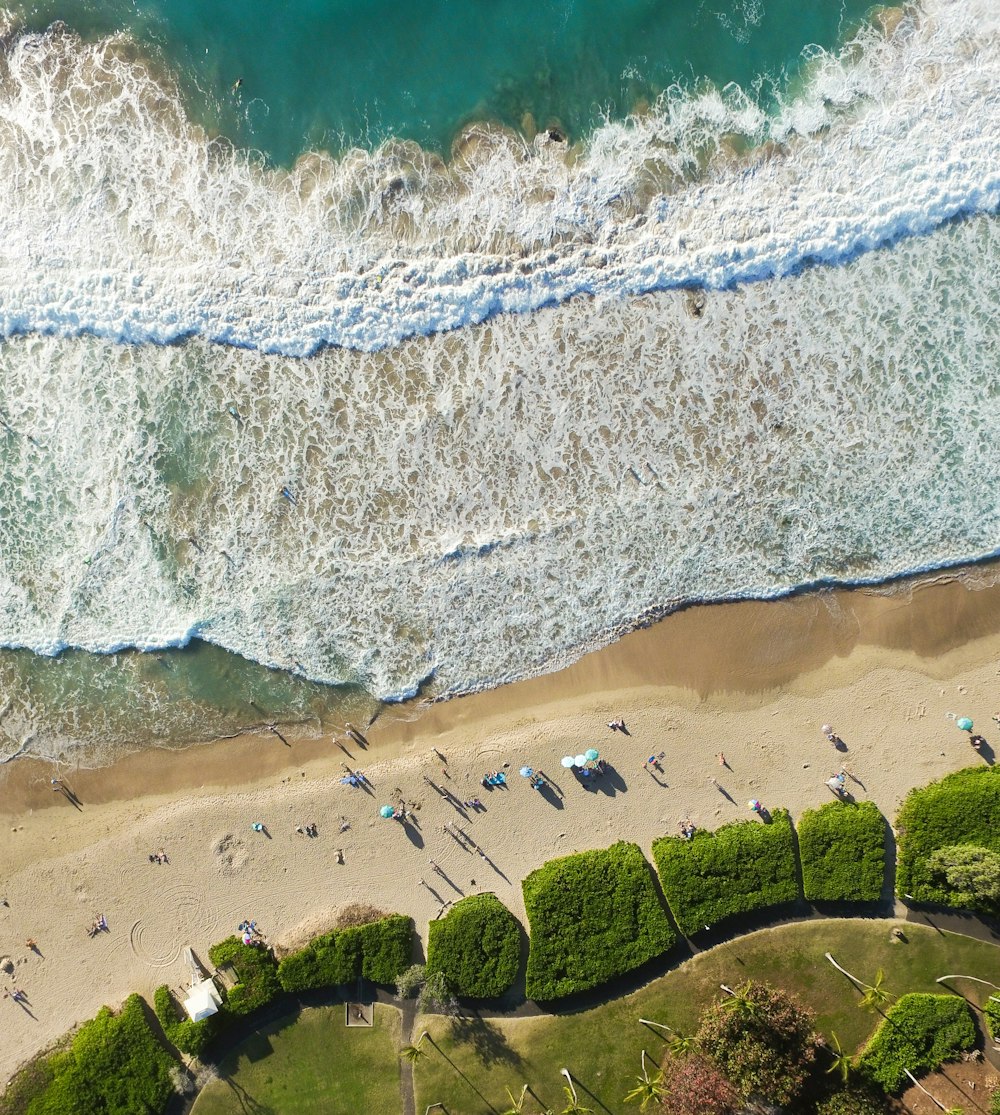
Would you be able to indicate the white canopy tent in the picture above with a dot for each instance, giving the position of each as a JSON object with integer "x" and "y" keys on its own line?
{"x": 203, "y": 1000}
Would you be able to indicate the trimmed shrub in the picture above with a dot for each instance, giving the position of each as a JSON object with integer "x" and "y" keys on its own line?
{"x": 592, "y": 917}
{"x": 763, "y": 1040}
{"x": 919, "y": 1033}
{"x": 842, "y": 851}
{"x": 476, "y": 947}
{"x": 739, "y": 868}
{"x": 386, "y": 948}
{"x": 188, "y": 1036}
{"x": 962, "y": 808}
{"x": 255, "y": 969}
{"x": 992, "y": 1012}
{"x": 379, "y": 951}
{"x": 114, "y": 1065}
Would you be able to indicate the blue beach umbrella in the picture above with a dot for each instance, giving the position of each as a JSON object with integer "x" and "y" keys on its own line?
{"x": 386, "y": 811}
{"x": 526, "y": 772}
{"x": 965, "y": 724}
{"x": 592, "y": 755}
{"x": 567, "y": 761}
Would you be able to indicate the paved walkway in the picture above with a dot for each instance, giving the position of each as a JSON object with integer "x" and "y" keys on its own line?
{"x": 942, "y": 921}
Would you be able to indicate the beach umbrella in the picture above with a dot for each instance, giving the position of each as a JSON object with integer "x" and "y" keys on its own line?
{"x": 753, "y": 804}
{"x": 827, "y": 730}
{"x": 567, "y": 761}
{"x": 386, "y": 811}
{"x": 965, "y": 724}
{"x": 580, "y": 761}
{"x": 526, "y": 772}
{"x": 592, "y": 755}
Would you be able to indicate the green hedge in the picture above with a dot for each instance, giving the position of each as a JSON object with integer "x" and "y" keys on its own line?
{"x": 919, "y": 1033}
{"x": 592, "y": 917}
{"x": 842, "y": 851}
{"x": 114, "y": 1066}
{"x": 477, "y": 947}
{"x": 188, "y": 1036}
{"x": 740, "y": 868}
{"x": 963, "y": 808}
{"x": 257, "y": 972}
{"x": 992, "y": 1012}
{"x": 379, "y": 951}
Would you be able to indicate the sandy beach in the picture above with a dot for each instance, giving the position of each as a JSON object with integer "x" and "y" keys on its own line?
{"x": 752, "y": 680}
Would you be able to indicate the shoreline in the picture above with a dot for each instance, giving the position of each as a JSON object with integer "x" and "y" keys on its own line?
{"x": 714, "y": 654}
{"x": 754, "y": 680}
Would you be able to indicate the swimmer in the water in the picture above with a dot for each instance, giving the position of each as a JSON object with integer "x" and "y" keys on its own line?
{"x": 236, "y": 85}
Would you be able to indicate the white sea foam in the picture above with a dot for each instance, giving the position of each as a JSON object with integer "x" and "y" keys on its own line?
{"x": 123, "y": 220}
{"x": 484, "y": 504}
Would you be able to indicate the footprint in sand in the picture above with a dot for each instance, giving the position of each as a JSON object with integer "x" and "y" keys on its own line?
{"x": 229, "y": 853}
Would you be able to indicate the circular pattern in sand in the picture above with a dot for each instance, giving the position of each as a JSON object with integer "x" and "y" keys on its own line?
{"x": 230, "y": 855}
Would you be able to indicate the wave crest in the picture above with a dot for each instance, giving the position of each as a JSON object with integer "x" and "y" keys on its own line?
{"x": 125, "y": 221}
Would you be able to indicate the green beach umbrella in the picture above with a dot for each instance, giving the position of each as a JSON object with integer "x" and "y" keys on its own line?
{"x": 386, "y": 811}
{"x": 965, "y": 724}
{"x": 592, "y": 755}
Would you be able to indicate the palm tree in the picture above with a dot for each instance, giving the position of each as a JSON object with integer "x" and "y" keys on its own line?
{"x": 844, "y": 972}
{"x": 573, "y": 1105}
{"x": 933, "y": 1099}
{"x": 413, "y": 1053}
{"x": 646, "y": 1090}
{"x": 682, "y": 1044}
{"x": 875, "y": 994}
{"x": 740, "y": 1001}
{"x": 842, "y": 1062}
{"x": 516, "y": 1105}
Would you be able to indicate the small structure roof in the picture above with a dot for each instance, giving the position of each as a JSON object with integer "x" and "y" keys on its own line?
{"x": 202, "y": 1000}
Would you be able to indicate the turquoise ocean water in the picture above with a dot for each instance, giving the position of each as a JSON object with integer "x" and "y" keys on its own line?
{"x": 455, "y": 340}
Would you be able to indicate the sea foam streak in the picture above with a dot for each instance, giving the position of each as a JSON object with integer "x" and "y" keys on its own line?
{"x": 485, "y": 504}
{"x": 124, "y": 221}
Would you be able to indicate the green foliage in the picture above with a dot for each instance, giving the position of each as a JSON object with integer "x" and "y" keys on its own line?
{"x": 379, "y": 951}
{"x": 114, "y": 1066}
{"x": 188, "y": 1036}
{"x": 962, "y": 808}
{"x": 995, "y": 1102}
{"x": 593, "y": 916}
{"x": 853, "y": 1101}
{"x": 972, "y": 872}
{"x": 842, "y": 851}
{"x": 386, "y": 948}
{"x": 256, "y": 970}
{"x": 992, "y": 1012}
{"x": 477, "y": 947}
{"x": 29, "y": 1081}
{"x": 741, "y": 867}
{"x": 919, "y": 1033}
{"x": 763, "y": 1040}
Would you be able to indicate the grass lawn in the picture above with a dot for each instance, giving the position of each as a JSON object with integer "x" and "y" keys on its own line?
{"x": 311, "y": 1063}
{"x": 468, "y": 1069}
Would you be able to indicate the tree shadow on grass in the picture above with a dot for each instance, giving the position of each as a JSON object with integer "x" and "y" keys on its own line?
{"x": 248, "y": 1105}
{"x": 488, "y": 1041}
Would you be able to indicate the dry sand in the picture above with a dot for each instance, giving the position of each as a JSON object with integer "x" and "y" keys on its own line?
{"x": 752, "y": 680}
